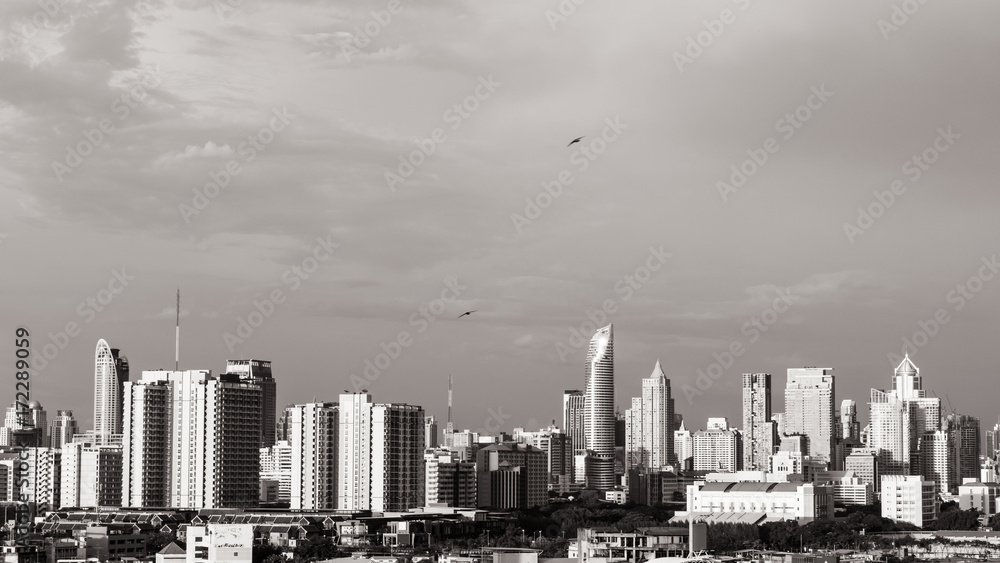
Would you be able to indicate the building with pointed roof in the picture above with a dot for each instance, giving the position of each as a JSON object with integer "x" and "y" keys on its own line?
{"x": 898, "y": 419}
{"x": 649, "y": 425}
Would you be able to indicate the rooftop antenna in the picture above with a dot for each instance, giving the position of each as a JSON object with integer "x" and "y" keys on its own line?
{"x": 177, "y": 336}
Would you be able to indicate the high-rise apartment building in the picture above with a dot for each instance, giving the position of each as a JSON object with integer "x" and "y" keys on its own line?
{"x": 809, "y": 409}
{"x": 276, "y": 465}
{"x": 91, "y": 475}
{"x": 938, "y": 460}
{"x": 146, "y": 443}
{"x": 684, "y": 448}
{"x": 993, "y": 441}
{"x": 381, "y": 455}
{"x": 759, "y": 431}
{"x": 258, "y": 372}
{"x": 599, "y": 406}
{"x": 649, "y": 425}
{"x": 110, "y": 375}
{"x": 449, "y": 480}
{"x": 313, "y": 439}
{"x": 430, "y": 432}
{"x": 850, "y": 428}
{"x": 909, "y": 498}
{"x": 213, "y": 436}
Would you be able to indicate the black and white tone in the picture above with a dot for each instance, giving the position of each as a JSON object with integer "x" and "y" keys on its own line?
{"x": 499, "y": 282}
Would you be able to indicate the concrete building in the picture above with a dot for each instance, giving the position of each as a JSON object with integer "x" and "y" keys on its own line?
{"x": 684, "y": 448}
{"x": 430, "y": 432}
{"x": 63, "y": 429}
{"x": 511, "y": 475}
{"x": 91, "y": 475}
{"x": 965, "y": 433}
{"x": 848, "y": 488}
{"x": 649, "y": 425}
{"x": 313, "y": 436}
{"x": 276, "y": 466}
{"x": 147, "y": 413}
{"x": 41, "y": 483}
{"x": 850, "y": 428}
{"x": 754, "y": 503}
{"x": 938, "y": 456}
{"x": 381, "y": 455}
{"x": 759, "y": 431}
{"x": 220, "y": 543}
{"x": 258, "y": 372}
{"x": 909, "y": 498}
{"x": 645, "y": 544}
{"x": 449, "y": 480}
{"x": 864, "y": 464}
{"x": 558, "y": 450}
{"x": 979, "y": 495}
{"x": 718, "y": 450}
{"x": 809, "y": 409}
{"x": 899, "y": 417}
{"x": 599, "y": 408}
{"x": 24, "y": 426}
{"x": 213, "y": 436}
{"x": 574, "y": 423}
{"x": 110, "y": 374}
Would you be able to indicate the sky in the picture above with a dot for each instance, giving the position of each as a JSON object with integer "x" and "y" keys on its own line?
{"x": 759, "y": 186}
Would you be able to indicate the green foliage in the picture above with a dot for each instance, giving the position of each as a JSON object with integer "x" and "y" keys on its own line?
{"x": 264, "y": 552}
{"x": 958, "y": 520}
{"x": 156, "y": 542}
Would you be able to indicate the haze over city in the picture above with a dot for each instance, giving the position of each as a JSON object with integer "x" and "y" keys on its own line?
{"x": 381, "y": 176}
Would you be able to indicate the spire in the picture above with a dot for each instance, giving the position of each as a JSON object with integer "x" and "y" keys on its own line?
{"x": 907, "y": 366}
{"x": 657, "y": 370}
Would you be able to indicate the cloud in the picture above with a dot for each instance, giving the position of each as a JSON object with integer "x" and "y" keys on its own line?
{"x": 210, "y": 150}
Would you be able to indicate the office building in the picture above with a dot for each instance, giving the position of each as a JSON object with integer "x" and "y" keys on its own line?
{"x": 993, "y": 441}
{"x": 599, "y": 408}
{"x": 759, "y": 431}
{"x": 850, "y": 428}
{"x": 809, "y": 409}
{"x": 899, "y": 417}
{"x": 649, "y": 424}
{"x": 258, "y": 372}
{"x": 684, "y": 448}
{"x": 980, "y": 496}
{"x": 430, "y": 432}
{"x": 575, "y": 418}
{"x": 25, "y": 427}
{"x": 964, "y": 430}
{"x": 863, "y": 463}
{"x": 511, "y": 476}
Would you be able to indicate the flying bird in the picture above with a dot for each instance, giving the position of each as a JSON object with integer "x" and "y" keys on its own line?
{"x": 466, "y": 313}
{"x": 576, "y": 140}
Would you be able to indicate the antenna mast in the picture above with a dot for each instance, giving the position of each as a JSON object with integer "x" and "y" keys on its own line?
{"x": 177, "y": 337}
{"x": 449, "y": 429}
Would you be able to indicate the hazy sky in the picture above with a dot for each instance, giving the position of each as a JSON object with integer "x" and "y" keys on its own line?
{"x": 374, "y": 163}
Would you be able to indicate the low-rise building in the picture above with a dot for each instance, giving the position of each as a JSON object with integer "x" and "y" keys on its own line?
{"x": 979, "y": 495}
{"x": 598, "y": 545}
{"x": 754, "y": 502}
{"x": 909, "y": 498}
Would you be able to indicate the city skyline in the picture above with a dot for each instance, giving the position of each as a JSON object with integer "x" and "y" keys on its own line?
{"x": 331, "y": 199}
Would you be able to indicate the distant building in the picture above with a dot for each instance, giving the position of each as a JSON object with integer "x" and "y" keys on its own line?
{"x": 754, "y": 503}
{"x": 718, "y": 450}
{"x": 574, "y": 421}
{"x": 449, "y": 481}
{"x": 258, "y": 372}
{"x": 220, "y": 543}
{"x": 313, "y": 439}
{"x": 599, "y": 406}
{"x": 848, "y": 488}
{"x": 110, "y": 374}
{"x": 978, "y": 495}
{"x": 63, "y": 429}
{"x": 649, "y": 424}
{"x": 759, "y": 431}
{"x": 91, "y": 475}
{"x": 966, "y": 437}
{"x": 276, "y": 466}
{"x": 909, "y": 498}
{"x": 644, "y": 544}
{"x": 899, "y": 417}
{"x": 684, "y": 448}
{"x": 511, "y": 475}
{"x": 938, "y": 453}
{"x": 809, "y": 409}
{"x": 430, "y": 432}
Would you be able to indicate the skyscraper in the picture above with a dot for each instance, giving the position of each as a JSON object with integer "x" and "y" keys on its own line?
{"x": 964, "y": 430}
{"x": 718, "y": 450}
{"x": 684, "y": 448}
{"x": 64, "y": 427}
{"x": 574, "y": 423}
{"x": 258, "y": 372}
{"x": 110, "y": 375}
{"x": 809, "y": 408}
{"x": 146, "y": 443}
{"x": 993, "y": 441}
{"x": 850, "y": 428}
{"x": 759, "y": 431}
{"x": 649, "y": 424}
{"x": 599, "y": 428}
{"x": 899, "y": 417}
{"x": 430, "y": 432}
{"x": 25, "y": 428}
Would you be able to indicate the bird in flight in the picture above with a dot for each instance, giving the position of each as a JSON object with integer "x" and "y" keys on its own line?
{"x": 466, "y": 313}
{"x": 576, "y": 140}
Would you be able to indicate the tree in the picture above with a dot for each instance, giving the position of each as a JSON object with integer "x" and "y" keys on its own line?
{"x": 263, "y": 552}
{"x": 958, "y": 520}
{"x": 158, "y": 541}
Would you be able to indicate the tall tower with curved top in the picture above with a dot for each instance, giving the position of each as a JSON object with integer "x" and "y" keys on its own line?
{"x": 110, "y": 375}
{"x": 599, "y": 424}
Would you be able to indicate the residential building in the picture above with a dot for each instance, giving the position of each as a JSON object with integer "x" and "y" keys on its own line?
{"x": 511, "y": 475}
{"x": 759, "y": 431}
{"x": 449, "y": 481}
{"x": 718, "y": 450}
{"x": 909, "y": 498}
{"x": 258, "y": 372}
{"x": 313, "y": 438}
